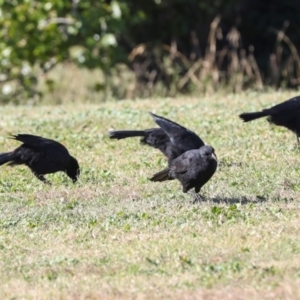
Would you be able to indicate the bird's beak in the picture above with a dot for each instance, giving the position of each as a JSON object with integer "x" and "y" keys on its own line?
{"x": 214, "y": 156}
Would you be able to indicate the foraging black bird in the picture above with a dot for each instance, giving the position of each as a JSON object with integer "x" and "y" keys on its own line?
{"x": 286, "y": 114}
{"x": 171, "y": 138}
{"x": 43, "y": 156}
{"x": 193, "y": 169}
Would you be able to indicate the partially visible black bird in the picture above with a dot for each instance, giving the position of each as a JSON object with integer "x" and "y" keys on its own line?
{"x": 171, "y": 138}
{"x": 286, "y": 114}
{"x": 43, "y": 156}
{"x": 193, "y": 169}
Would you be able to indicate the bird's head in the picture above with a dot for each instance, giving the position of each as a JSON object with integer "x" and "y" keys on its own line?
{"x": 208, "y": 151}
{"x": 73, "y": 169}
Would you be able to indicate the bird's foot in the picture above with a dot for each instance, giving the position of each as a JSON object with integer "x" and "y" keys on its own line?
{"x": 198, "y": 198}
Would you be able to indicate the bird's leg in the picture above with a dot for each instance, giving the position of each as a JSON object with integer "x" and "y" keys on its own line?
{"x": 42, "y": 178}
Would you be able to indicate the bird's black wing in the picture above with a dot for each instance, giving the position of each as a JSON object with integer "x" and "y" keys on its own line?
{"x": 34, "y": 140}
{"x": 51, "y": 149}
{"x": 185, "y": 161}
{"x": 180, "y": 136}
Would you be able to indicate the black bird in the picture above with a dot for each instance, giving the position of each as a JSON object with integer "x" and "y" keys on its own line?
{"x": 193, "y": 169}
{"x": 42, "y": 156}
{"x": 286, "y": 114}
{"x": 171, "y": 138}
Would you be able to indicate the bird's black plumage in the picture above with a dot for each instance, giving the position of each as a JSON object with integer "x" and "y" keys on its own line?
{"x": 43, "y": 156}
{"x": 286, "y": 114}
{"x": 193, "y": 168}
{"x": 171, "y": 138}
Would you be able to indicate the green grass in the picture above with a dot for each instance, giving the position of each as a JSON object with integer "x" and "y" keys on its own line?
{"x": 116, "y": 235}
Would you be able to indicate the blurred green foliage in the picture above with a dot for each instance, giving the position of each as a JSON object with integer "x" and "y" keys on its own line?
{"x": 36, "y": 35}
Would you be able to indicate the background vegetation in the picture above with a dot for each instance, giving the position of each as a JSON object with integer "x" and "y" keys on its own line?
{"x": 150, "y": 47}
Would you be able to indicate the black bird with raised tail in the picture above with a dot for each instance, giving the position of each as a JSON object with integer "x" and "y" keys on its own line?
{"x": 172, "y": 139}
{"x": 286, "y": 114}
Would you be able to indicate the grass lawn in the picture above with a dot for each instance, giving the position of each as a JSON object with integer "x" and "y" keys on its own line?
{"x": 116, "y": 235}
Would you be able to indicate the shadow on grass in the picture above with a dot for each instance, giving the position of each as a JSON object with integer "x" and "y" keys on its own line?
{"x": 240, "y": 200}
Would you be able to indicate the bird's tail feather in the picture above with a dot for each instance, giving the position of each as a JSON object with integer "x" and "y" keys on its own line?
{"x": 252, "y": 116}
{"x": 5, "y": 157}
{"x": 161, "y": 176}
{"x": 123, "y": 134}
